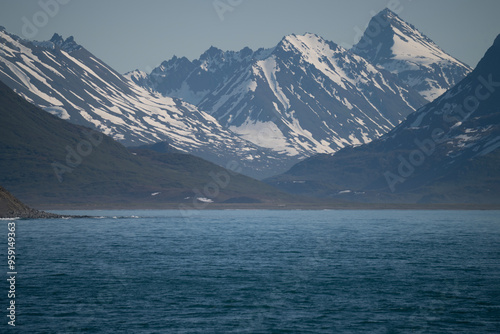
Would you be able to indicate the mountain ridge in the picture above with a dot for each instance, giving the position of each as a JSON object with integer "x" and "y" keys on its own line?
{"x": 78, "y": 87}
{"x": 447, "y": 151}
{"x": 267, "y": 109}
{"x": 260, "y": 96}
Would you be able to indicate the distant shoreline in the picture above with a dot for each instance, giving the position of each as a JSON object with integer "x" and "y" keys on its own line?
{"x": 272, "y": 206}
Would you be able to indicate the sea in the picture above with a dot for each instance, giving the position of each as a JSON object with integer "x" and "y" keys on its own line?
{"x": 255, "y": 271}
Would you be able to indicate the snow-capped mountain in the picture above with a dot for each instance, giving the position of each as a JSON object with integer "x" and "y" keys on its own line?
{"x": 449, "y": 150}
{"x": 392, "y": 44}
{"x": 302, "y": 97}
{"x": 266, "y": 109}
{"x": 65, "y": 79}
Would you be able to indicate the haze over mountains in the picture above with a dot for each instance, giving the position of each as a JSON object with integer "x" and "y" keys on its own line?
{"x": 261, "y": 111}
{"x": 266, "y": 109}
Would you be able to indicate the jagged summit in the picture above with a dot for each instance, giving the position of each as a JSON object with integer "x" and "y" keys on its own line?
{"x": 68, "y": 45}
{"x": 397, "y": 46}
{"x": 246, "y": 51}
{"x": 303, "y": 37}
{"x": 211, "y": 52}
{"x": 173, "y": 62}
{"x": 386, "y": 11}
{"x": 308, "y": 43}
{"x": 57, "y": 41}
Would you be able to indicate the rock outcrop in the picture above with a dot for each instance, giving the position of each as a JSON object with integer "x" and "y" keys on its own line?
{"x": 11, "y": 207}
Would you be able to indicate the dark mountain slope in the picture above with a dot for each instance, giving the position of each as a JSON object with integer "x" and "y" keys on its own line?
{"x": 46, "y": 160}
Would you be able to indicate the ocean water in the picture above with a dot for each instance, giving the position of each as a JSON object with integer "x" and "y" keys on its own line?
{"x": 257, "y": 272}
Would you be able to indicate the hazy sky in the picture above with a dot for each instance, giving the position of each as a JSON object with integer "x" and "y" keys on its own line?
{"x": 130, "y": 34}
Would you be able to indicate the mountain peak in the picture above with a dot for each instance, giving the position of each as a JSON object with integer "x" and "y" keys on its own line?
{"x": 245, "y": 52}
{"x": 390, "y": 37}
{"x": 305, "y": 43}
{"x": 57, "y": 39}
{"x": 488, "y": 65}
{"x": 387, "y": 18}
{"x": 386, "y": 12}
{"x": 68, "y": 45}
{"x": 384, "y": 30}
{"x": 447, "y": 151}
{"x": 211, "y": 53}
{"x": 305, "y": 36}
{"x": 168, "y": 66}
{"x": 398, "y": 47}
{"x": 174, "y": 61}
{"x": 311, "y": 35}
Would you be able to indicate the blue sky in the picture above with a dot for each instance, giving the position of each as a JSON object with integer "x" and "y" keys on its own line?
{"x": 130, "y": 34}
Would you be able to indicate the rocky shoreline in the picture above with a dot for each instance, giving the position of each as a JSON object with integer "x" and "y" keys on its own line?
{"x": 11, "y": 207}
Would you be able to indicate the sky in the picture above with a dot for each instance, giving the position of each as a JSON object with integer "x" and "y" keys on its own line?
{"x": 133, "y": 34}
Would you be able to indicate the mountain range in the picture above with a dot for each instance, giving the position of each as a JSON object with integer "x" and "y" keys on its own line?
{"x": 304, "y": 96}
{"x": 447, "y": 151}
{"x": 66, "y": 80}
{"x": 266, "y": 109}
{"x": 393, "y": 120}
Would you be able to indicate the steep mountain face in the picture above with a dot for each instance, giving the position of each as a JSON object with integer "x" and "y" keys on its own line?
{"x": 302, "y": 97}
{"x": 447, "y": 151}
{"x": 47, "y": 161}
{"x": 66, "y": 80}
{"x": 392, "y": 44}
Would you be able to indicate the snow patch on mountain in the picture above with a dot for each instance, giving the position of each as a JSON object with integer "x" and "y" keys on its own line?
{"x": 265, "y": 134}
{"x": 269, "y": 67}
{"x": 59, "y": 112}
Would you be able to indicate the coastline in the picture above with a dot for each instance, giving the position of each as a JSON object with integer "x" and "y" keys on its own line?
{"x": 272, "y": 206}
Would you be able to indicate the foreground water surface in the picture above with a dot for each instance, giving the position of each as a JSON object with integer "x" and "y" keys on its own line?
{"x": 257, "y": 272}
